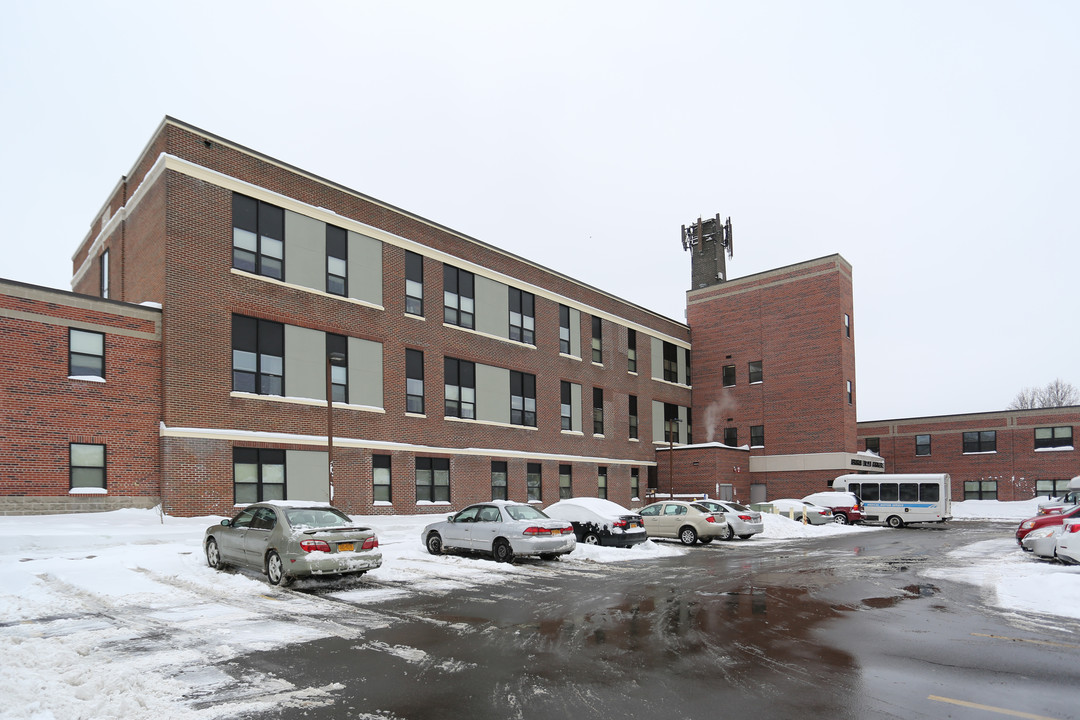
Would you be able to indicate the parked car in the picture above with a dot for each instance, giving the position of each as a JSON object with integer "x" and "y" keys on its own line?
{"x": 1042, "y": 541}
{"x": 741, "y": 520}
{"x": 1043, "y": 521}
{"x": 1068, "y": 542}
{"x": 504, "y": 529}
{"x": 846, "y": 506}
{"x": 288, "y": 539}
{"x": 684, "y": 521}
{"x": 1059, "y": 504}
{"x": 600, "y": 522}
{"x": 815, "y": 514}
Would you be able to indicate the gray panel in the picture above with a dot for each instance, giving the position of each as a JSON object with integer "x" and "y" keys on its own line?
{"x": 658, "y": 422}
{"x": 305, "y": 251}
{"x": 492, "y": 394}
{"x": 575, "y": 407}
{"x": 657, "y": 357}
{"x": 365, "y": 268}
{"x": 492, "y": 307}
{"x": 365, "y": 373}
{"x": 575, "y": 334}
{"x": 305, "y": 363}
{"x": 305, "y": 475}
{"x": 682, "y": 355}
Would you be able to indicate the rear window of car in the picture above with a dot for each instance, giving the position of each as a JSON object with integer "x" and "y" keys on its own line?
{"x": 524, "y": 512}
{"x": 316, "y": 518}
{"x": 739, "y": 508}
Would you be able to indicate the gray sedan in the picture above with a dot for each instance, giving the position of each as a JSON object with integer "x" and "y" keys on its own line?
{"x": 741, "y": 520}
{"x": 504, "y": 529}
{"x": 288, "y": 539}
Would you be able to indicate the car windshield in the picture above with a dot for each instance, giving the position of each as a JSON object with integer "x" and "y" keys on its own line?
{"x": 316, "y": 518}
{"x": 524, "y": 512}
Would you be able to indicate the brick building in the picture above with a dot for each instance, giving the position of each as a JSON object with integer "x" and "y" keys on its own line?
{"x": 221, "y": 296}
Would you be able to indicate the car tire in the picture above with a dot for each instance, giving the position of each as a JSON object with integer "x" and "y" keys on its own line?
{"x": 726, "y": 533}
{"x": 591, "y": 538}
{"x": 502, "y": 552}
{"x": 705, "y": 541}
{"x": 549, "y": 556}
{"x": 275, "y": 570}
{"x": 895, "y": 521}
{"x": 213, "y": 555}
{"x": 746, "y": 537}
{"x": 434, "y": 544}
{"x": 687, "y": 535}
{"x": 840, "y": 519}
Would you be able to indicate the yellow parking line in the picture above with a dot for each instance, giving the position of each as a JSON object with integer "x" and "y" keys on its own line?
{"x": 1035, "y": 642}
{"x": 990, "y": 708}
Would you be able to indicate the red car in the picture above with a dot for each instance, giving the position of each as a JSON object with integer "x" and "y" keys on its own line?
{"x": 1043, "y": 520}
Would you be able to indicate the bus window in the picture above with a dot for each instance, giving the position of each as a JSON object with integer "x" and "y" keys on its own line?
{"x": 889, "y": 492}
{"x": 870, "y": 492}
{"x": 909, "y": 492}
{"x": 854, "y": 487}
{"x": 929, "y": 492}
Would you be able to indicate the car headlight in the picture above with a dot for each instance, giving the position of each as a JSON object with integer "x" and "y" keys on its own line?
{"x": 1027, "y": 525}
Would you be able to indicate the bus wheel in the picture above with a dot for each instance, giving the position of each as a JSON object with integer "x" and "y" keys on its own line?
{"x": 894, "y": 521}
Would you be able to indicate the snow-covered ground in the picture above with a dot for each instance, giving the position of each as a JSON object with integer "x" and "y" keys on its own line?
{"x": 117, "y": 615}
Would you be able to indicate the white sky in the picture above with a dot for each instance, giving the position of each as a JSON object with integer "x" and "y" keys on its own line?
{"x": 932, "y": 144}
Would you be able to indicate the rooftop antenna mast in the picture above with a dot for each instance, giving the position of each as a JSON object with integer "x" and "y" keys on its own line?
{"x": 708, "y": 241}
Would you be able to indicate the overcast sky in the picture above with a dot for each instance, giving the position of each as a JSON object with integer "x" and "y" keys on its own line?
{"x": 934, "y": 145}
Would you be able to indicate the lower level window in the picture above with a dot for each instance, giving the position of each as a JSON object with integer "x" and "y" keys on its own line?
{"x": 87, "y": 466}
{"x": 498, "y": 480}
{"x": 380, "y": 478}
{"x": 432, "y": 479}
{"x": 601, "y": 483}
{"x": 565, "y": 482}
{"x": 532, "y": 481}
{"x": 757, "y": 436}
{"x": 258, "y": 475}
{"x": 635, "y": 483}
{"x": 980, "y": 489}
{"x": 1051, "y": 487}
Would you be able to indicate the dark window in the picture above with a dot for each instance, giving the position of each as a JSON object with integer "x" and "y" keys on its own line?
{"x": 565, "y": 482}
{"x": 522, "y": 316}
{"x": 533, "y": 481}
{"x": 980, "y": 489}
{"x": 631, "y": 350}
{"x": 671, "y": 422}
{"x": 522, "y": 399}
{"x": 86, "y": 353}
{"x": 869, "y": 491}
{"x": 686, "y": 355}
{"x": 731, "y": 437}
{"x": 982, "y": 441}
{"x": 847, "y": 325}
{"x": 598, "y": 411}
{"x": 601, "y": 483}
{"x": 757, "y": 436}
{"x": 458, "y": 296}
{"x": 729, "y": 375}
{"x": 337, "y": 347}
{"x": 414, "y": 381}
{"x": 755, "y": 372}
{"x": 498, "y": 480}
{"x": 87, "y": 465}
{"x": 671, "y": 362}
{"x": 565, "y": 410}
{"x": 597, "y": 340}
{"x": 873, "y": 445}
{"x": 850, "y": 392}
{"x": 890, "y": 492}
{"x": 432, "y": 479}
{"x": 414, "y": 283}
{"x": 380, "y": 478}
{"x": 564, "y": 330}
{"x": 929, "y": 492}
{"x": 635, "y": 483}
{"x": 337, "y": 265}
{"x": 258, "y": 237}
{"x": 460, "y": 387}
{"x": 922, "y": 444}
{"x": 258, "y": 475}
{"x": 689, "y": 426}
{"x": 633, "y": 417}
{"x": 258, "y": 350}
{"x": 1053, "y": 437}
{"x": 909, "y": 492}
{"x": 103, "y": 279}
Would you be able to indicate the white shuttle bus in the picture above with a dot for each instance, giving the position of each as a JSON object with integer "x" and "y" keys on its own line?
{"x": 897, "y": 500}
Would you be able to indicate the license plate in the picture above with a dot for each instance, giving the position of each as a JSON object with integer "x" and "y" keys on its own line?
{"x": 346, "y": 547}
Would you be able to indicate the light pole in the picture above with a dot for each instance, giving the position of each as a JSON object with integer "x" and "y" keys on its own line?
{"x": 671, "y": 454}
{"x": 333, "y": 359}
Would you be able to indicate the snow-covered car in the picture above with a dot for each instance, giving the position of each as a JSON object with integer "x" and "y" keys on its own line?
{"x": 815, "y": 514}
{"x": 503, "y": 529}
{"x": 1067, "y": 549}
{"x": 687, "y": 522}
{"x": 285, "y": 540}
{"x": 741, "y": 520}
{"x": 846, "y": 507}
{"x": 598, "y": 521}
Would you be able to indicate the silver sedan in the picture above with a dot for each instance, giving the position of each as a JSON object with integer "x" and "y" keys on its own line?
{"x": 503, "y": 529}
{"x": 741, "y": 520}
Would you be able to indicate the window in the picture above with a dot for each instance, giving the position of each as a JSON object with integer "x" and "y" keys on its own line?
{"x": 671, "y": 422}
{"x": 633, "y": 417}
{"x": 1053, "y": 437}
{"x": 458, "y": 297}
{"x": 522, "y": 399}
{"x": 689, "y": 426}
{"x": 755, "y": 371}
{"x": 87, "y": 465}
{"x": 460, "y": 380}
{"x": 874, "y": 445}
{"x": 414, "y": 381}
{"x": 414, "y": 283}
{"x": 731, "y": 437}
{"x": 339, "y": 371}
{"x": 729, "y": 375}
{"x": 432, "y": 479}
{"x": 922, "y": 444}
{"x": 258, "y": 356}
{"x": 982, "y": 441}
{"x": 1051, "y": 487}
{"x": 631, "y": 351}
{"x": 86, "y": 353}
{"x": 847, "y": 325}
{"x": 849, "y": 392}
{"x": 565, "y": 406}
{"x": 522, "y": 316}
{"x": 258, "y": 237}
{"x": 980, "y": 489}
{"x": 337, "y": 266}
{"x": 565, "y": 482}
{"x": 103, "y": 280}
{"x": 564, "y": 330}
{"x": 671, "y": 362}
{"x": 597, "y": 341}
{"x": 380, "y": 478}
{"x": 686, "y": 352}
{"x": 598, "y": 411}
{"x": 635, "y": 483}
{"x": 757, "y": 436}
{"x": 258, "y": 475}
{"x": 601, "y": 483}
{"x": 498, "y": 480}
{"x": 532, "y": 482}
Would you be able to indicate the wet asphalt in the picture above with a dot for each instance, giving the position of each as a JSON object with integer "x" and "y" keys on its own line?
{"x": 840, "y": 627}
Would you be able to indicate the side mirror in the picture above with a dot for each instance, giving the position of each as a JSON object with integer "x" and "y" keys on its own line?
{"x": 226, "y": 522}
{"x": 449, "y": 518}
